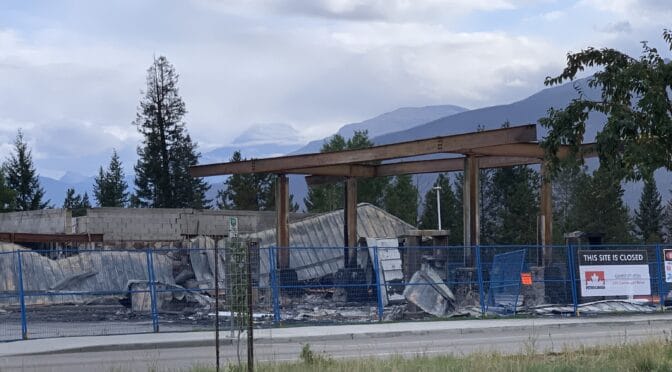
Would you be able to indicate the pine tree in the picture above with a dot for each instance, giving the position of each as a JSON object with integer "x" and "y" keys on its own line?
{"x": 72, "y": 200}
{"x": 649, "y": 216}
{"x": 325, "y": 198}
{"x": 515, "y": 202}
{"x": 451, "y": 210}
{"x": 7, "y": 195}
{"x": 369, "y": 190}
{"x": 162, "y": 179}
{"x": 77, "y": 203}
{"x": 565, "y": 185}
{"x": 110, "y": 186}
{"x": 599, "y": 207}
{"x": 401, "y": 199}
{"x": 329, "y": 197}
{"x": 22, "y": 178}
{"x": 254, "y": 192}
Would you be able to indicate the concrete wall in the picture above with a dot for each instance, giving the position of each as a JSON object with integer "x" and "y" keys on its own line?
{"x": 45, "y": 221}
{"x": 147, "y": 224}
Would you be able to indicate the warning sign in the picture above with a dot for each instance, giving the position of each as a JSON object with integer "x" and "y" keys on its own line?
{"x": 668, "y": 265}
{"x": 614, "y": 273}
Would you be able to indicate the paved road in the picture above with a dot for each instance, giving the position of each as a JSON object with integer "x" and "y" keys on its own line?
{"x": 522, "y": 340}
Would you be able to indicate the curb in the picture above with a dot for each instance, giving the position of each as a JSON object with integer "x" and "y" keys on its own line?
{"x": 335, "y": 337}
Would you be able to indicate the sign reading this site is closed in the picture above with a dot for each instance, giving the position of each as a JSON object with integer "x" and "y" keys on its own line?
{"x": 614, "y": 273}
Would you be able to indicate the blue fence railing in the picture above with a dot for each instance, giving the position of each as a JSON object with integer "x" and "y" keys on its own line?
{"x": 115, "y": 291}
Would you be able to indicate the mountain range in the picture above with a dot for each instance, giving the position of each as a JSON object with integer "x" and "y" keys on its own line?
{"x": 403, "y": 124}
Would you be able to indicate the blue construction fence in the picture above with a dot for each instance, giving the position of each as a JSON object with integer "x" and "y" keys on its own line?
{"x": 112, "y": 291}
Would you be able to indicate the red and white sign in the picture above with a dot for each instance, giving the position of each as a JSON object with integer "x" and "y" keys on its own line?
{"x": 614, "y": 273}
{"x": 668, "y": 265}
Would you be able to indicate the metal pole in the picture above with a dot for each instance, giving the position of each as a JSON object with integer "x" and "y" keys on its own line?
{"x": 479, "y": 276}
{"x": 376, "y": 269}
{"x": 152, "y": 291}
{"x": 661, "y": 277}
{"x": 250, "y": 315}
{"x": 22, "y": 298}
{"x": 438, "y": 204}
{"x": 217, "y": 307}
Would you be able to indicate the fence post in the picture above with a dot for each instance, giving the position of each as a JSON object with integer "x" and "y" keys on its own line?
{"x": 22, "y": 298}
{"x": 661, "y": 275}
{"x": 273, "y": 278}
{"x": 479, "y": 276}
{"x": 152, "y": 291}
{"x": 572, "y": 278}
{"x": 376, "y": 270}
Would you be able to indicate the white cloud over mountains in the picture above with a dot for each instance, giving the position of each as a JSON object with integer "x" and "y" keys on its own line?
{"x": 72, "y": 72}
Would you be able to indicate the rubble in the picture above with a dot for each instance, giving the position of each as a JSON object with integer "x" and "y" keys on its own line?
{"x": 429, "y": 293}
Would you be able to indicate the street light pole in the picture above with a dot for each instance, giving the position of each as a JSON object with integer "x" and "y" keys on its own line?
{"x": 438, "y": 204}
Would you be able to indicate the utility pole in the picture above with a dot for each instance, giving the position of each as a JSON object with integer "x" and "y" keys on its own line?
{"x": 438, "y": 204}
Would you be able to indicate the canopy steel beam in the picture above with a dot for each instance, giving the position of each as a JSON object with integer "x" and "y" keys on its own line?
{"x": 461, "y": 143}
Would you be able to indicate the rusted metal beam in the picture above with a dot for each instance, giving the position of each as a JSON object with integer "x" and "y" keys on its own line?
{"x": 461, "y": 143}
{"x": 50, "y": 238}
{"x": 282, "y": 223}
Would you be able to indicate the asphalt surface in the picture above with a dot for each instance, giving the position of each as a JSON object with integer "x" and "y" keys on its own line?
{"x": 504, "y": 337}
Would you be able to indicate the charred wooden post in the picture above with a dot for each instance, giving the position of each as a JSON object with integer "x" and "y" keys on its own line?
{"x": 350, "y": 221}
{"x": 470, "y": 204}
{"x": 282, "y": 229}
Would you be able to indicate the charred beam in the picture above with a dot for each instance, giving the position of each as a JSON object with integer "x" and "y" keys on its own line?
{"x": 461, "y": 143}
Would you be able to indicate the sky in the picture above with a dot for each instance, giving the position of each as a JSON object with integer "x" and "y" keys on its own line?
{"x": 72, "y": 71}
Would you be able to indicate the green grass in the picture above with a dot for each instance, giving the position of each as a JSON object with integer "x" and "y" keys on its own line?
{"x": 649, "y": 356}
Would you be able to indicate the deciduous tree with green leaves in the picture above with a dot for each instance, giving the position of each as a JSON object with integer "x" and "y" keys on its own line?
{"x": 635, "y": 97}
{"x": 22, "y": 177}
{"x": 109, "y": 187}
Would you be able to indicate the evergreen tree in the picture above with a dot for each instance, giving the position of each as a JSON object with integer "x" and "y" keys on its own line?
{"x": 369, "y": 190}
{"x": 451, "y": 210}
{"x": 565, "y": 190}
{"x": 329, "y": 197}
{"x": 22, "y": 178}
{"x": 649, "y": 216}
{"x": 162, "y": 179}
{"x": 86, "y": 203}
{"x": 77, "y": 203}
{"x": 254, "y": 192}
{"x": 109, "y": 187}
{"x": 7, "y": 196}
{"x": 72, "y": 200}
{"x": 325, "y": 198}
{"x": 515, "y": 205}
{"x": 401, "y": 199}
{"x": 599, "y": 207}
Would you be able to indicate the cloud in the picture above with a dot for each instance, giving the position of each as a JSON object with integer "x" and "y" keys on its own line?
{"x": 365, "y": 10}
{"x": 617, "y": 27}
{"x": 72, "y": 72}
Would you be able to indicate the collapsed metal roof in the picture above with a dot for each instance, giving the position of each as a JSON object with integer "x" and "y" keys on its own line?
{"x": 326, "y": 231}
{"x": 103, "y": 272}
